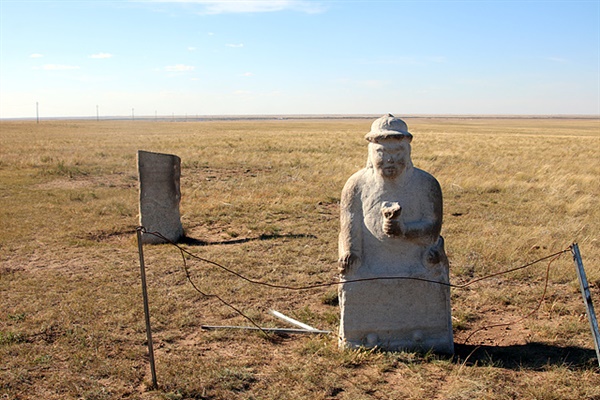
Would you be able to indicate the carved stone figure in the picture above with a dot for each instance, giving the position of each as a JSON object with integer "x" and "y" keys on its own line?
{"x": 391, "y": 218}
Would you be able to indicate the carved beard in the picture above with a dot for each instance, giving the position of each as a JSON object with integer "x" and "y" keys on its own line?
{"x": 391, "y": 171}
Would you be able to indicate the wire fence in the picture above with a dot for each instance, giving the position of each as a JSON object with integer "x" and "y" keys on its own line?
{"x": 184, "y": 252}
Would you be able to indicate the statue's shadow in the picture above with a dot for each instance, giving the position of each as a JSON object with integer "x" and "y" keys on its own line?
{"x": 197, "y": 242}
{"x": 532, "y": 356}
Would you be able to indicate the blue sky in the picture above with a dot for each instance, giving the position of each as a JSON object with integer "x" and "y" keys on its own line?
{"x": 298, "y": 57}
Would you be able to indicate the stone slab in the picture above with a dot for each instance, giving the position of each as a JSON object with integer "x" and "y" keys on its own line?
{"x": 160, "y": 195}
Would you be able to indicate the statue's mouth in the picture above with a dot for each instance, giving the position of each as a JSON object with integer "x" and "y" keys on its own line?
{"x": 389, "y": 171}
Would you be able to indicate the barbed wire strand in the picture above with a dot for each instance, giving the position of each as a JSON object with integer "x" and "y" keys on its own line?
{"x": 326, "y": 284}
{"x": 360, "y": 387}
{"x": 539, "y": 304}
{"x": 185, "y": 252}
{"x": 190, "y": 280}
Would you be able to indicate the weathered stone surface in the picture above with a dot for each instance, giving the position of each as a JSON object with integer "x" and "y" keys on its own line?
{"x": 160, "y": 194}
{"x": 391, "y": 218}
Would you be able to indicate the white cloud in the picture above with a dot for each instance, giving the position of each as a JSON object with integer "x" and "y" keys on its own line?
{"x": 437, "y": 59}
{"x": 247, "y": 74}
{"x": 366, "y": 83}
{"x": 179, "y": 68}
{"x": 242, "y": 92}
{"x": 557, "y": 59}
{"x": 57, "y": 67}
{"x": 235, "y": 45}
{"x": 406, "y": 60}
{"x": 191, "y": 48}
{"x": 36, "y": 55}
{"x": 252, "y": 6}
{"x": 373, "y": 83}
{"x": 101, "y": 55}
{"x": 393, "y": 60}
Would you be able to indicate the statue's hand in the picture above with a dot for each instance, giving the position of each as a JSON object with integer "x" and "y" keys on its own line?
{"x": 391, "y": 210}
{"x": 436, "y": 254}
{"x": 433, "y": 256}
{"x": 347, "y": 262}
{"x": 392, "y": 225}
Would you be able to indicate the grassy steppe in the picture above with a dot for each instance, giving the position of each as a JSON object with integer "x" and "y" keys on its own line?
{"x": 261, "y": 197}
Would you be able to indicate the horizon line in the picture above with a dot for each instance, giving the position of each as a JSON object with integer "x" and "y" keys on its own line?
{"x": 198, "y": 117}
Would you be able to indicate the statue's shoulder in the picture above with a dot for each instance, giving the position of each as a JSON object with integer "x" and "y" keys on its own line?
{"x": 424, "y": 178}
{"x": 356, "y": 181}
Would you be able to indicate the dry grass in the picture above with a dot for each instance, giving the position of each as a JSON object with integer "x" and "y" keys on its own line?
{"x": 262, "y": 197}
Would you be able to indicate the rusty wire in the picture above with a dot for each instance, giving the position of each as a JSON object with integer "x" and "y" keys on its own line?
{"x": 184, "y": 252}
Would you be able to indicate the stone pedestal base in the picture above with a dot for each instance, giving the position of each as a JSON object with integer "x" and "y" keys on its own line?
{"x": 396, "y": 315}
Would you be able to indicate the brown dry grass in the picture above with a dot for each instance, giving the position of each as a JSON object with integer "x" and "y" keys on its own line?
{"x": 71, "y": 321}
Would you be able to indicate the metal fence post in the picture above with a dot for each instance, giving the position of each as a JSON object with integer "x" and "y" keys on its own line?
{"x": 587, "y": 298}
{"x": 146, "y": 308}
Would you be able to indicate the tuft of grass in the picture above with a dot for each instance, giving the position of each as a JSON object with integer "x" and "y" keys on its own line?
{"x": 330, "y": 298}
{"x": 70, "y": 171}
{"x": 10, "y": 338}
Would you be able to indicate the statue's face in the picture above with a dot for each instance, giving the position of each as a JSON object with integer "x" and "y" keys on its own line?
{"x": 389, "y": 157}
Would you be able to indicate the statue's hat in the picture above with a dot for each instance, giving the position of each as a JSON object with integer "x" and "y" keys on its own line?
{"x": 390, "y": 127}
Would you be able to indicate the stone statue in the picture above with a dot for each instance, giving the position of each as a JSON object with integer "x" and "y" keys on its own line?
{"x": 391, "y": 218}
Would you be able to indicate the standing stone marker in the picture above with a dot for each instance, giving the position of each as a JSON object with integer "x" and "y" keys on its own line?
{"x": 391, "y": 218}
{"x": 159, "y": 176}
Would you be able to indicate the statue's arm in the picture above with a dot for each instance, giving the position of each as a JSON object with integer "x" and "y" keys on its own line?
{"x": 351, "y": 220}
{"x": 427, "y": 229}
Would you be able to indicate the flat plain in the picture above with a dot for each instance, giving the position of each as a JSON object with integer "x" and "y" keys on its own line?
{"x": 261, "y": 197}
